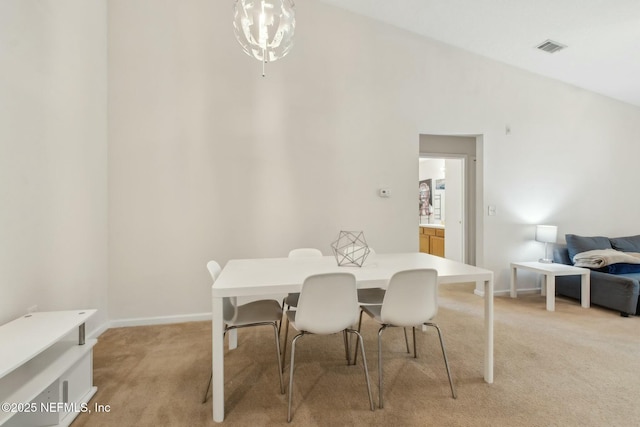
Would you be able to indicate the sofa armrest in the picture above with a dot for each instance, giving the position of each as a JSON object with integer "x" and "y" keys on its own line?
{"x": 617, "y": 292}
{"x": 626, "y": 284}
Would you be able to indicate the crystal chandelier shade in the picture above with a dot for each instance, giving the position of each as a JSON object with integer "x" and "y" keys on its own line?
{"x": 264, "y": 28}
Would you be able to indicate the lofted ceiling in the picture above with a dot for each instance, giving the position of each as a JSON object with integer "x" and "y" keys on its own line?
{"x": 602, "y": 36}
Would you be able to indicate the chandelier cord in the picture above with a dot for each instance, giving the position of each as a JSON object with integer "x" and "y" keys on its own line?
{"x": 264, "y": 61}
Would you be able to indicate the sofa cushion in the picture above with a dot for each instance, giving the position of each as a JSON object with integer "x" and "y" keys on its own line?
{"x": 561, "y": 255}
{"x": 577, "y": 244}
{"x": 621, "y": 268}
{"x": 626, "y": 244}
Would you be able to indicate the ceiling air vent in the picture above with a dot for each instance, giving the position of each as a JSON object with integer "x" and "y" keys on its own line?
{"x": 550, "y": 46}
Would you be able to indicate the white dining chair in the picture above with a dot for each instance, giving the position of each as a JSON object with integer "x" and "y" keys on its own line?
{"x": 327, "y": 305}
{"x": 374, "y": 296}
{"x": 411, "y": 300}
{"x": 370, "y": 295}
{"x": 257, "y": 313}
{"x": 291, "y": 300}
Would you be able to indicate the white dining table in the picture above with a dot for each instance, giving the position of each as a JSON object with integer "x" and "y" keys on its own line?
{"x": 280, "y": 276}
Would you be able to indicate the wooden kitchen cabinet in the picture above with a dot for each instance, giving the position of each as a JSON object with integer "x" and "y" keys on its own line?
{"x": 432, "y": 240}
{"x": 424, "y": 241}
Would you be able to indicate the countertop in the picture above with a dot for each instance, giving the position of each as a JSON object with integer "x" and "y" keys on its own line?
{"x": 433, "y": 225}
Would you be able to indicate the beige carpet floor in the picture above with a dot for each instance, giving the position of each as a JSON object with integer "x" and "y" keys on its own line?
{"x": 571, "y": 367}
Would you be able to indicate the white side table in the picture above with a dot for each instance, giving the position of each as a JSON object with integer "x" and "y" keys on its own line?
{"x": 551, "y": 271}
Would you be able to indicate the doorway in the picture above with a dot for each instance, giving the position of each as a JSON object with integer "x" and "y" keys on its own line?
{"x": 467, "y": 150}
{"x": 443, "y": 179}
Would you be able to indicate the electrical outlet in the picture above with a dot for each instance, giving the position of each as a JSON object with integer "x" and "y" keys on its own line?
{"x": 32, "y": 309}
{"x": 491, "y": 210}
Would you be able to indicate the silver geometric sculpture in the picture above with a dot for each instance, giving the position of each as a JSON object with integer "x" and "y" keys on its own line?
{"x": 350, "y": 248}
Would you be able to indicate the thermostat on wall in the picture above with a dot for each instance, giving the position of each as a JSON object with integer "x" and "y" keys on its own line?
{"x": 384, "y": 192}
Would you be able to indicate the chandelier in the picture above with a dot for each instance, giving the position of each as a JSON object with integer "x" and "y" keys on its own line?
{"x": 264, "y": 28}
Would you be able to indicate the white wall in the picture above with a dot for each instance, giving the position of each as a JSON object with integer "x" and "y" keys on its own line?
{"x": 207, "y": 159}
{"x": 53, "y": 164}
{"x": 431, "y": 169}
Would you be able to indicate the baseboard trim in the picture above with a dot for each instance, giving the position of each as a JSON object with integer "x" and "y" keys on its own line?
{"x": 99, "y": 330}
{"x": 159, "y": 320}
{"x": 503, "y": 292}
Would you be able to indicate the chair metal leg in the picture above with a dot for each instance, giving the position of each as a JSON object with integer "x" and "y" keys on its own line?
{"x": 406, "y": 340}
{"x": 446, "y": 361}
{"x": 291, "y": 369}
{"x": 280, "y": 368}
{"x": 360, "y": 342}
{"x": 206, "y": 392}
{"x": 276, "y": 332}
{"x": 415, "y": 347}
{"x": 284, "y": 313}
{"x": 346, "y": 347}
{"x": 284, "y": 344}
{"x": 355, "y": 356}
{"x": 380, "y": 382}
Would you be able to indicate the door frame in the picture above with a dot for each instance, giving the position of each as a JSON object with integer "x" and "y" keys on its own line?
{"x": 470, "y": 148}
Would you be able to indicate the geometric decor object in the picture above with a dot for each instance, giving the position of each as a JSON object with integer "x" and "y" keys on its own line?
{"x": 350, "y": 248}
{"x": 264, "y": 28}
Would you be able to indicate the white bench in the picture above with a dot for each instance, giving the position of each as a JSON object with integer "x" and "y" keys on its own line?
{"x": 46, "y": 376}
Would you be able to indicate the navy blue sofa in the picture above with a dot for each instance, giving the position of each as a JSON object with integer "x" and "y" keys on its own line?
{"x": 618, "y": 292}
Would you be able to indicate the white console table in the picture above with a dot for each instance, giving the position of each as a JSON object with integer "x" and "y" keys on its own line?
{"x": 46, "y": 376}
{"x": 550, "y": 271}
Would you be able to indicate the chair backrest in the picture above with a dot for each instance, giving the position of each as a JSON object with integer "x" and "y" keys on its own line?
{"x": 229, "y": 307}
{"x": 328, "y": 303}
{"x": 305, "y": 253}
{"x": 214, "y": 269}
{"x": 411, "y": 298}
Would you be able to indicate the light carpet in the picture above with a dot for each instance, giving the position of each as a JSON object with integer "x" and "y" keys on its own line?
{"x": 571, "y": 367}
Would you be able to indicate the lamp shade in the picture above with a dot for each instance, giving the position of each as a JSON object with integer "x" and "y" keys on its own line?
{"x": 546, "y": 233}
